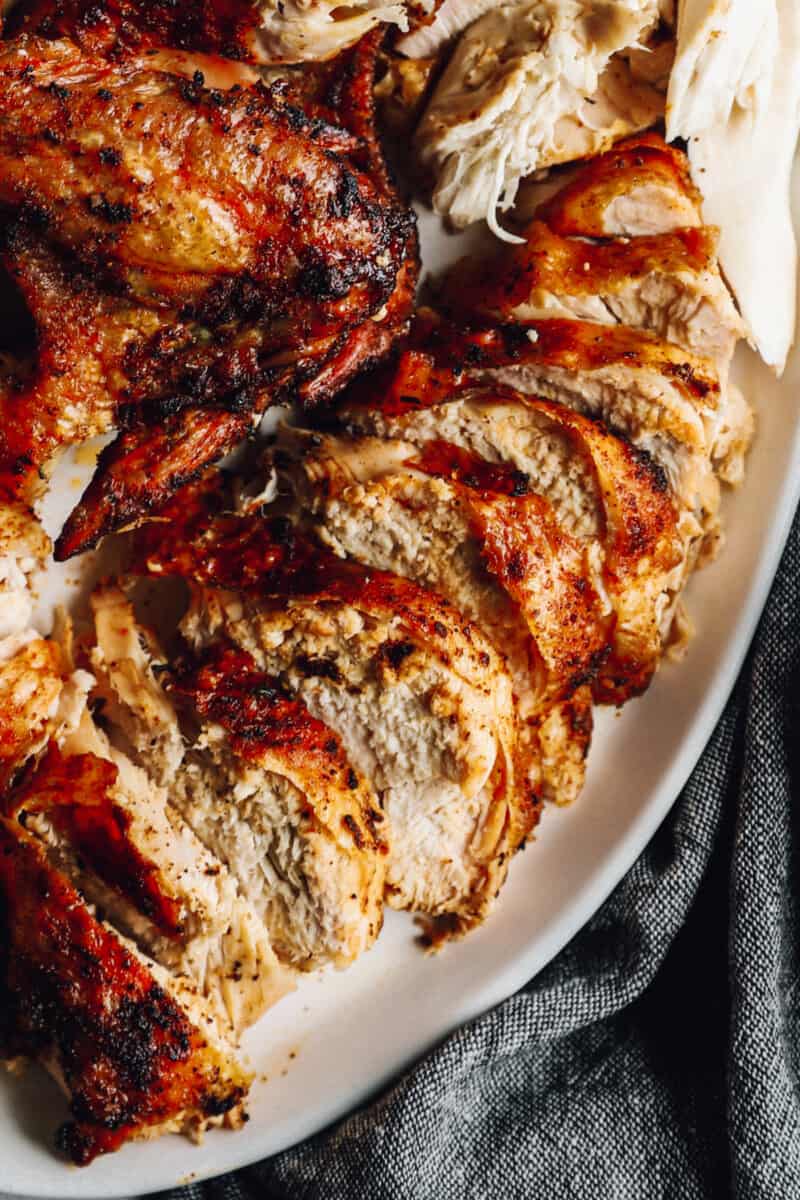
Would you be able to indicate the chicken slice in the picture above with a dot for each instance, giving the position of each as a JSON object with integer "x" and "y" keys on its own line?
{"x": 663, "y": 398}
{"x": 609, "y": 498}
{"x": 642, "y": 187}
{"x": 417, "y": 694}
{"x": 490, "y": 546}
{"x": 125, "y": 659}
{"x": 135, "y": 1056}
{"x": 266, "y": 787}
{"x": 669, "y": 284}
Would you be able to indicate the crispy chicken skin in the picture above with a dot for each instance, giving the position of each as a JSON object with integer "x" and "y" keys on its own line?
{"x": 212, "y": 252}
{"x": 235, "y": 211}
{"x": 641, "y": 187}
{"x": 72, "y": 992}
{"x": 240, "y": 30}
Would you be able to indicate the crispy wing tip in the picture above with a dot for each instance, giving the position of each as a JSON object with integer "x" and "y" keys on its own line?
{"x": 142, "y": 469}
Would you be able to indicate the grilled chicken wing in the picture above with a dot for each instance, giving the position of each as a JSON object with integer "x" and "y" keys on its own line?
{"x": 417, "y": 694}
{"x": 211, "y": 251}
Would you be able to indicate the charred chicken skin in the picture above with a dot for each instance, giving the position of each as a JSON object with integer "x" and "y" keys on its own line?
{"x": 214, "y": 251}
{"x": 268, "y": 31}
{"x": 129, "y": 1056}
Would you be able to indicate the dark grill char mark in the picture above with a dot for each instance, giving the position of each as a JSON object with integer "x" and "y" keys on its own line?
{"x": 130, "y": 1057}
{"x": 134, "y": 333}
{"x": 76, "y": 795}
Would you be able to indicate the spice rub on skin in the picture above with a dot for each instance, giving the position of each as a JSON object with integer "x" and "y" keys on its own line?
{"x": 131, "y": 1060}
{"x": 432, "y": 726}
{"x": 263, "y": 785}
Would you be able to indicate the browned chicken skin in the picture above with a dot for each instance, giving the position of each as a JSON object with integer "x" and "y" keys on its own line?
{"x": 214, "y": 251}
{"x": 129, "y": 1056}
{"x": 224, "y": 27}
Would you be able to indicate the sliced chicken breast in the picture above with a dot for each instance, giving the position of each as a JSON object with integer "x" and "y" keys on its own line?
{"x": 135, "y": 1055}
{"x": 418, "y": 695}
{"x": 664, "y": 399}
{"x": 263, "y": 785}
{"x": 116, "y": 837}
{"x": 609, "y": 499}
{"x": 485, "y": 541}
{"x": 669, "y": 284}
{"x": 642, "y": 187}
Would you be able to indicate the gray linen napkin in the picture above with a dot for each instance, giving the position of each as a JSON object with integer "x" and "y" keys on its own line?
{"x": 658, "y": 1055}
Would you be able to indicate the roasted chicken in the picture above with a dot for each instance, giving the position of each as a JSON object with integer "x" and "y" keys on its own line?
{"x": 419, "y": 697}
{"x": 107, "y": 1021}
{"x": 379, "y": 644}
{"x": 188, "y": 256}
{"x": 263, "y": 31}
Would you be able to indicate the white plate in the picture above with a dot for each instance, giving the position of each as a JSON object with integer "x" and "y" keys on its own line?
{"x": 342, "y": 1037}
